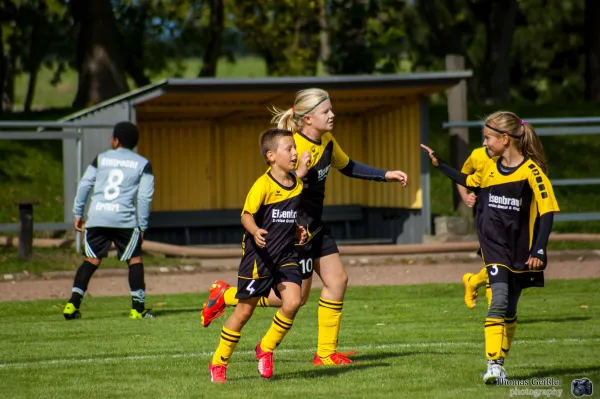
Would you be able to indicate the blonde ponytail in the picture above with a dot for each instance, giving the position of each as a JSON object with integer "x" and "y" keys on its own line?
{"x": 532, "y": 146}
{"x": 305, "y": 103}
{"x": 284, "y": 119}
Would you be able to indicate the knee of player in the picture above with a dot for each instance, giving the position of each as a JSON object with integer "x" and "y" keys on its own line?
{"x": 134, "y": 260}
{"x": 292, "y": 305}
{"x": 499, "y": 304}
{"x": 340, "y": 281}
{"x": 243, "y": 314}
{"x": 94, "y": 261}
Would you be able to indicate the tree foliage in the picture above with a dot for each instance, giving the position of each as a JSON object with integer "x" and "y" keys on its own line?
{"x": 525, "y": 50}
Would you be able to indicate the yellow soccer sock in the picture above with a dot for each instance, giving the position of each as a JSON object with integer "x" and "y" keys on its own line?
{"x": 229, "y": 296}
{"x": 510, "y": 328}
{"x": 330, "y": 318}
{"x": 227, "y": 344}
{"x": 494, "y": 333}
{"x": 478, "y": 280}
{"x": 279, "y": 328}
{"x": 263, "y": 302}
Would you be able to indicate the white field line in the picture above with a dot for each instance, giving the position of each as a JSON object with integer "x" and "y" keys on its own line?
{"x": 72, "y": 361}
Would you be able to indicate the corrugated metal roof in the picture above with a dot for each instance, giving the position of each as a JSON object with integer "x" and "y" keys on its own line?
{"x": 213, "y": 85}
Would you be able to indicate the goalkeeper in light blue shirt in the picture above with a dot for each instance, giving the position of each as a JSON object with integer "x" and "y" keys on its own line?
{"x": 120, "y": 184}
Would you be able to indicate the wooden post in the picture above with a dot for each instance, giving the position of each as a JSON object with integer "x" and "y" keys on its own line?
{"x": 26, "y": 228}
{"x": 459, "y": 137}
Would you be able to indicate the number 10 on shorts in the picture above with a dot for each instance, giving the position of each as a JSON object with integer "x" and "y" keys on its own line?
{"x": 307, "y": 265}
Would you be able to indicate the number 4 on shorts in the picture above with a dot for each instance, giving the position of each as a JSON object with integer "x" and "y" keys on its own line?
{"x": 250, "y": 287}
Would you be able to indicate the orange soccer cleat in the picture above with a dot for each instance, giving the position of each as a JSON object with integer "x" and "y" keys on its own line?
{"x": 215, "y": 306}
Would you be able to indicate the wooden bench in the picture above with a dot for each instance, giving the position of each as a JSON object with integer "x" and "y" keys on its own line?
{"x": 335, "y": 214}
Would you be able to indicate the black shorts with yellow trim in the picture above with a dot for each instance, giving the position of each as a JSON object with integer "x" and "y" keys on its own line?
{"x": 318, "y": 246}
{"x": 259, "y": 272}
{"x": 249, "y": 287}
{"x": 500, "y": 273}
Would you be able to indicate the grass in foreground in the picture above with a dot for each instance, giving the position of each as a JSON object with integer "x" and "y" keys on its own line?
{"x": 413, "y": 341}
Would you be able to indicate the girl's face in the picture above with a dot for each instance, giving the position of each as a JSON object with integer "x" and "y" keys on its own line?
{"x": 321, "y": 119}
{"x": 495, "y": 142}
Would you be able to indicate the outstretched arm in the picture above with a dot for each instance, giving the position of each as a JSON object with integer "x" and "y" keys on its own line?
{"x": 454, "y": 174}
{"x": 361, "y": 171}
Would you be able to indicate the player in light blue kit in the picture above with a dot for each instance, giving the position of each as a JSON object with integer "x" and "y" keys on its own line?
{"x": 121, "y": 185}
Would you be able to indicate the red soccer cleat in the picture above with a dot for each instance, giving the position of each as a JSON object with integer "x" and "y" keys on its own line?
{"x": 215, "y": 306}
{"x": 336, "y": 359}
{"x": 265, "y": 362}
{"x": 218, "y": 373}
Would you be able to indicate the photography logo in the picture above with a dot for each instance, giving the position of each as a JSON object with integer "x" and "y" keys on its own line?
{"x": 582, "y": 387}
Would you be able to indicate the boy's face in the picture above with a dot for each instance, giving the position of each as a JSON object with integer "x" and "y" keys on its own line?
{"x": 114, "y": 143}
{"x": 285, "y": 156}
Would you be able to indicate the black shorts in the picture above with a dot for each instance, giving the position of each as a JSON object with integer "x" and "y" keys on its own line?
{"x": 319, "y": 246}
{"x": 97, "y": 242}
{"x": 261, "y": 286}
{"x": 524, "y": 279}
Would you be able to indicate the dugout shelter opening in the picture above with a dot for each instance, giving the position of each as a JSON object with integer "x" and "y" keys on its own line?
{"x": 201, "y": 136}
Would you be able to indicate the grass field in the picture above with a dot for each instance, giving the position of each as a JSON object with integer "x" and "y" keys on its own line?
{"x": 413, "y": 342}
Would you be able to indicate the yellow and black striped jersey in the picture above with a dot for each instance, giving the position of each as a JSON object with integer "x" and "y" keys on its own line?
{"x": 475, "y": 161}
{"x": 509, "y": 205}
{"x": 274, "y": 208}
{"x": 323, "y": 155}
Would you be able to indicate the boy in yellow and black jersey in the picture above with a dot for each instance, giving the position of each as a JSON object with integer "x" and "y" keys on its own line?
{"x": 515, "y": 213}
{"x": 269, "y": 259}
{"x": 274, "y": 208}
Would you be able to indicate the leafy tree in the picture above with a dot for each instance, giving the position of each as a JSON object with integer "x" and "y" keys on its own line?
{"x": 284, "y": 32}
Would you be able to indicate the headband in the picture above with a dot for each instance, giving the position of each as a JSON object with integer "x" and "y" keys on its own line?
{"x": 503, "y": 132}
{"x": 315, "y": 106}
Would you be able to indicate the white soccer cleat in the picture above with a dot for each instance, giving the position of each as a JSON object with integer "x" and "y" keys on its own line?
{"x": 494, "y": 373}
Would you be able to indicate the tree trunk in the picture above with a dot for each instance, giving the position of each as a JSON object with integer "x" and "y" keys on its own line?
{"x": 134, "y": 54}
{"x": 592, "y": 50}
{"x": 100, "y": 61}
{"x": 501, "y": 27}
{"x": 9, "y": 80}
{"x": 37, "y": 49}
{"x": 213, "y": 49}
{"x": 2, "y": 72}
{"x": 324, "y": 45}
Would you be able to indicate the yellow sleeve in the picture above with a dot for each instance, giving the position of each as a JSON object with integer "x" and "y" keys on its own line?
{"x": 339, "y": 159}
{"x": 474, "y": 179}
{"x": 542, "y": 191}
{"x": 468, "y": 167}
{"x": 256, "y": 197}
